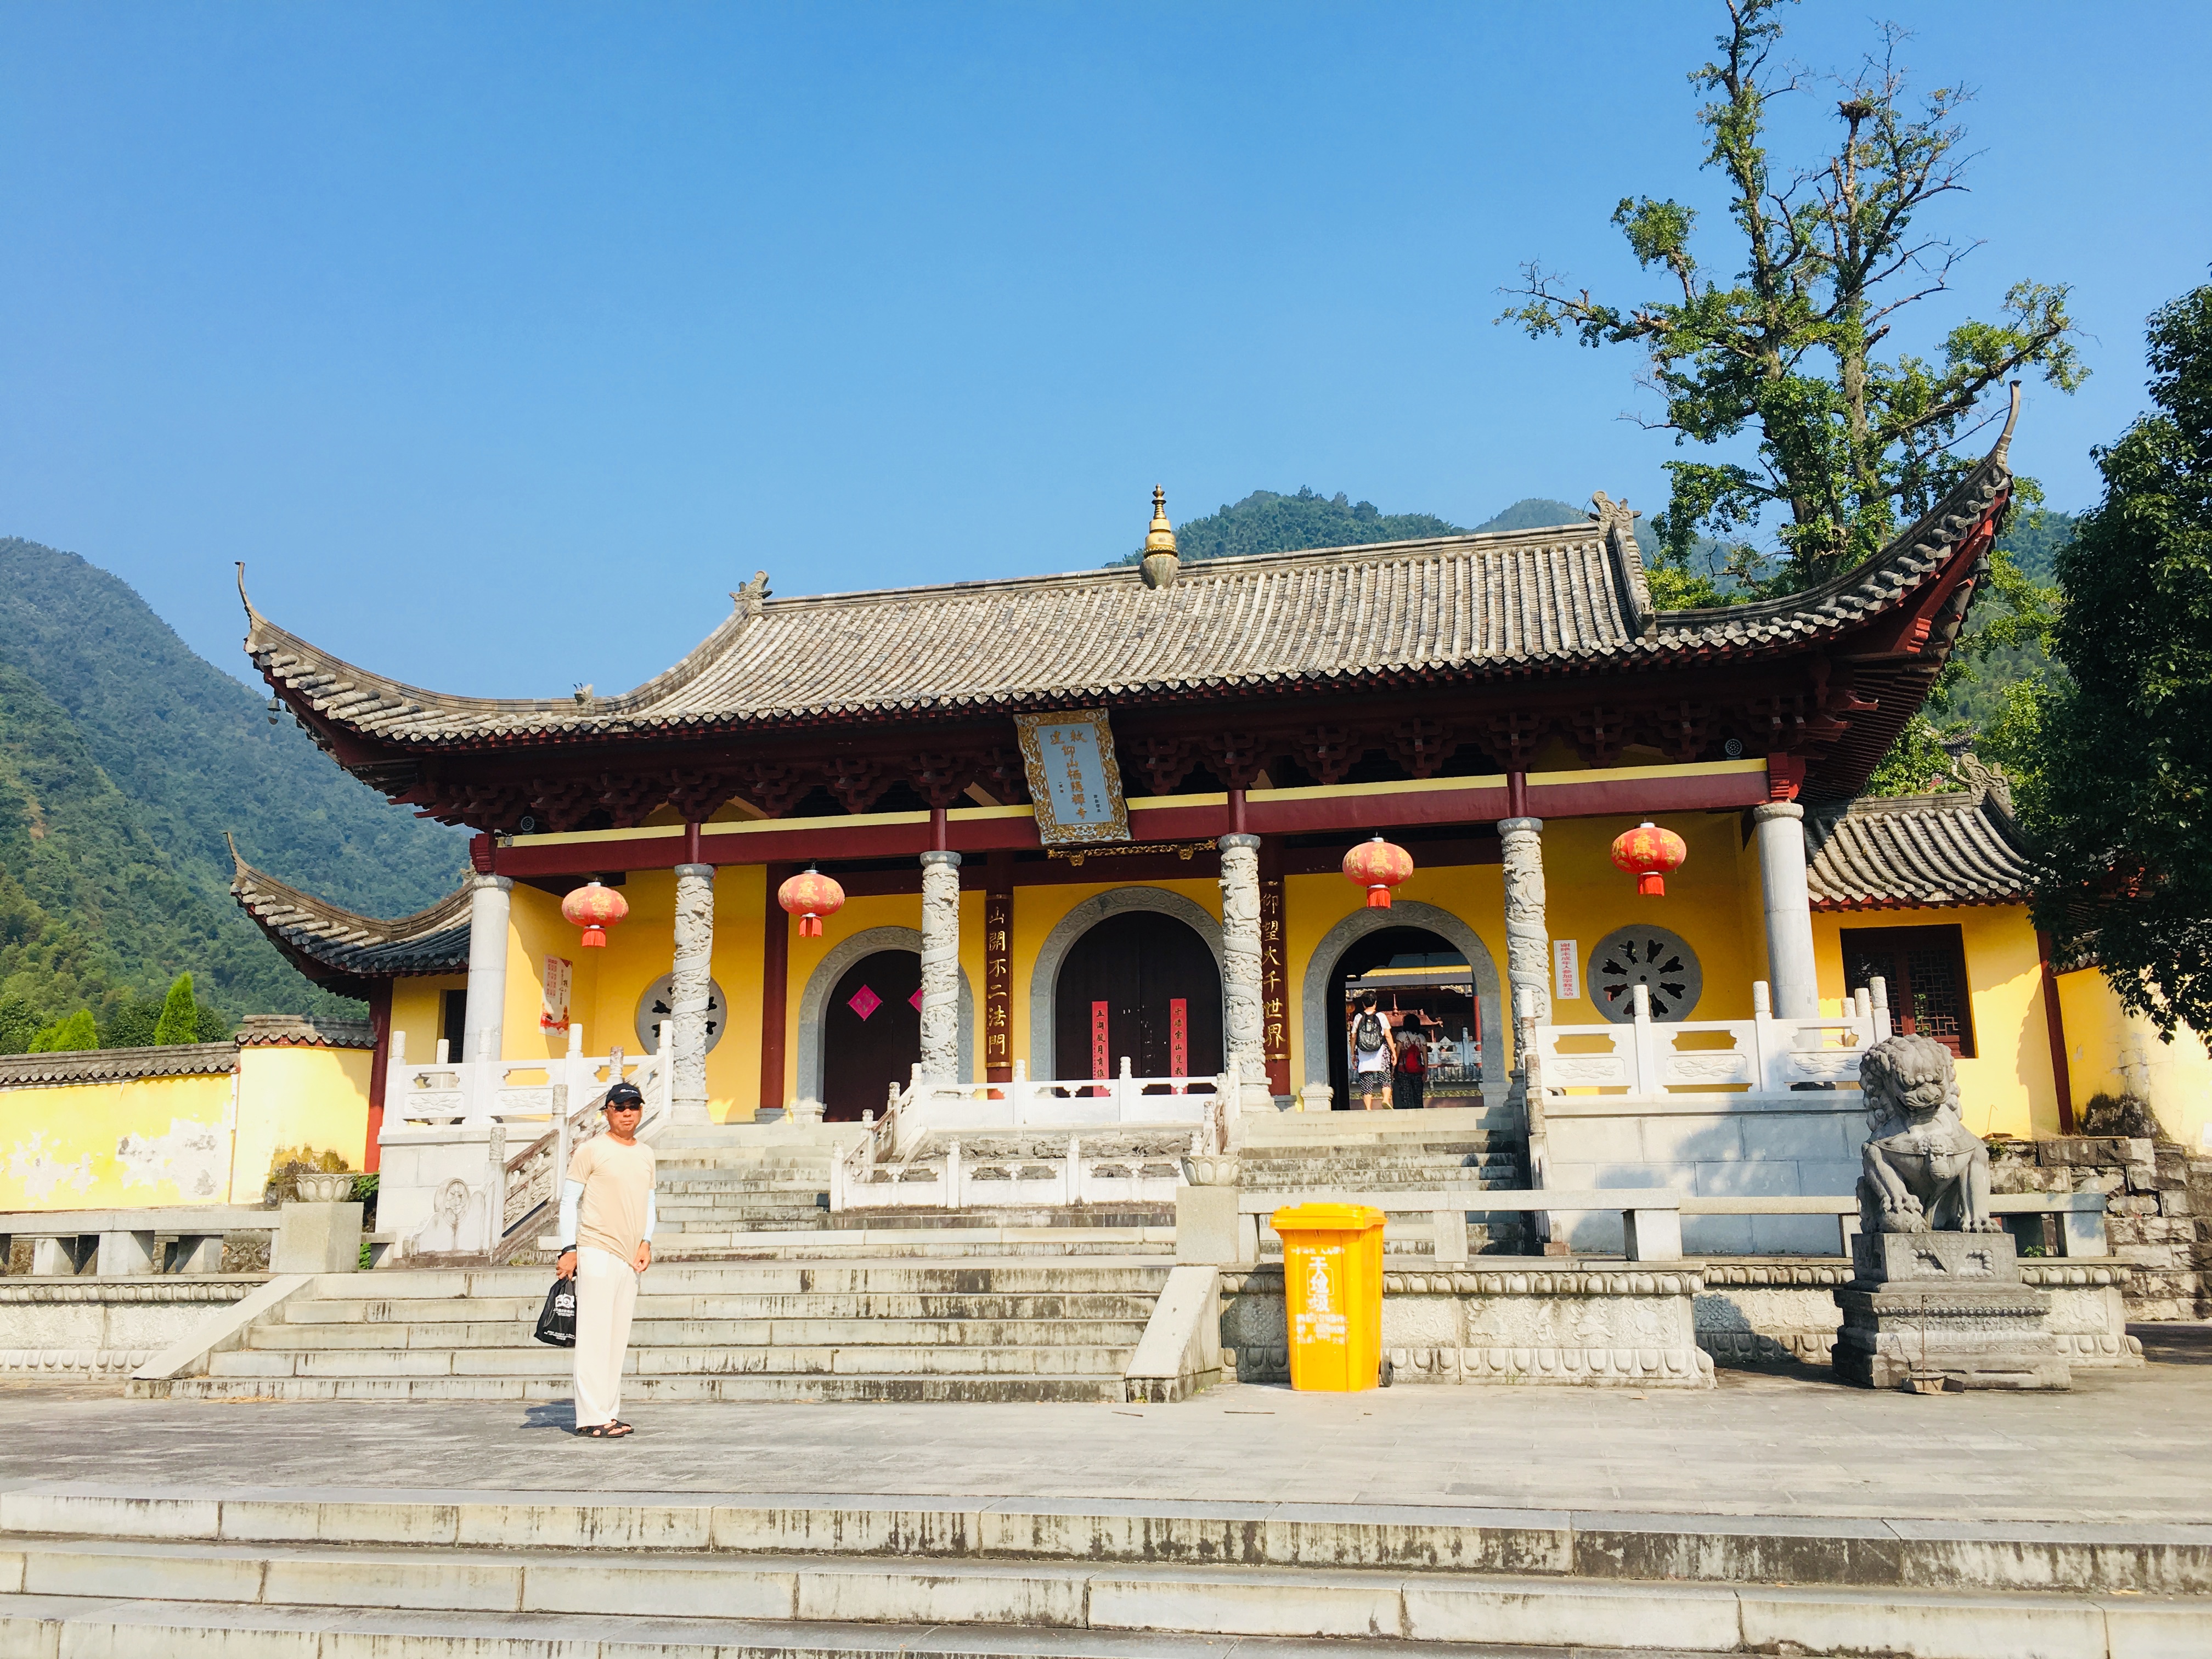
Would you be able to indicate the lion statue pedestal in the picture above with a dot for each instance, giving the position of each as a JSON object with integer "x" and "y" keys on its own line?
{"x": 1936, "y": 1298}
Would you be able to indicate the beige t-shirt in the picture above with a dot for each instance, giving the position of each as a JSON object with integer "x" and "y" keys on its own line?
{"x": 618, "y": 1180}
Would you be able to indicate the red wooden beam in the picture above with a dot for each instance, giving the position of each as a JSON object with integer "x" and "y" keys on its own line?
{"x": 1203, "y": 820}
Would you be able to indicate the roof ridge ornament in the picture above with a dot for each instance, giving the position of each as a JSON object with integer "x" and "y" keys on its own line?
{"x": 1616, "y": 527}
{"x": 1161, "y": 561}
{"x": 753, "y": 597}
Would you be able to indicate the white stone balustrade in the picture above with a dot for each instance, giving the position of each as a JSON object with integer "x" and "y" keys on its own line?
{"x": 1644, "y": 1058}
{"x": 443, "y": 1092}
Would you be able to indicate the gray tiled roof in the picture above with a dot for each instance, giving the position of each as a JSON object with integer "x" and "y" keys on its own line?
{"x": 432, "y": 941}
{"x": 1915, "y": 851}
{"x": 116, "y": 1064}
{"x": 1572, "y": 597}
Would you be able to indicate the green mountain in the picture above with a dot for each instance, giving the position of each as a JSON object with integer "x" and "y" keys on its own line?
{"x": 123, "y": 757}
{"x": 1266, "y": 522}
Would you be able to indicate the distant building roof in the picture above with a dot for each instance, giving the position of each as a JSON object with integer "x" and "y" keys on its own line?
{"x": 346, "y": 951}
{"x": 1919, "y": 851}
{"x": 299, "y": 1031}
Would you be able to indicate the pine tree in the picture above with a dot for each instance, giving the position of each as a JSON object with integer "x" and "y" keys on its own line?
{"x": 67, "y": 1036}
{"x": 180, "y": 1016}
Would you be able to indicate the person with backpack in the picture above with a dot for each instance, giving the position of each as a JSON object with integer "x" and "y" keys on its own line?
{"x": 1372, "y": 1052}
{"x": 606, "y": 1226}
{"x": 1411, "y": 1073}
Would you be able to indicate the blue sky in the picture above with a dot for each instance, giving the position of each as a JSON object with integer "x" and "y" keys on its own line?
{"x": 500, "y": 342}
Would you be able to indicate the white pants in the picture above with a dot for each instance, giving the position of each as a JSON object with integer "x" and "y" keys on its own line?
{"x": 606, "y": 1295}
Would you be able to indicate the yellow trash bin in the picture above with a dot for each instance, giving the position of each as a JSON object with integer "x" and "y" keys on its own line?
{"x": 1333, "y": 1294}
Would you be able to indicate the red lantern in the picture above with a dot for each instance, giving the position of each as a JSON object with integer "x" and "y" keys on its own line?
{"x": 811, "y": 896}
{"x": 1651, "y": 854}
{"x": 1378, "y": 866}
{"x": 594, "y": 908}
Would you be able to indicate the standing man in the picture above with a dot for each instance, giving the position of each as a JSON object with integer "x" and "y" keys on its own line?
{"x": 607, "y": 1216}
{"x": 1372, "y": 1051}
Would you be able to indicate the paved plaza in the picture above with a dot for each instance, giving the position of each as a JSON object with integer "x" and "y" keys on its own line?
{"x": 2124, "y": 1446}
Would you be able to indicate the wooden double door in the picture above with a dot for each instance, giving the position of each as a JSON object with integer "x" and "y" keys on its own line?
{"x": 1141, "y": 986}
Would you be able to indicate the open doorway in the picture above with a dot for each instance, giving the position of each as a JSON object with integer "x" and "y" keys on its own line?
{"x": 1425, "y": 990}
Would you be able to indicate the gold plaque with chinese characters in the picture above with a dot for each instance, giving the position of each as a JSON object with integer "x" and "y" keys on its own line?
{"x": 1073, "y": 779}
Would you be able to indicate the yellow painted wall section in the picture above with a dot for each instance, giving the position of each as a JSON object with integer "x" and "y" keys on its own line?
{"x": 2008, "y": 1087}
{"x": 2112, "y": 1051}
{"x": 416, "y": 1004}
{"x": 1586, "y": 898}
{"x": 154, "y": 1141}
{"x": 297, "y": 1097}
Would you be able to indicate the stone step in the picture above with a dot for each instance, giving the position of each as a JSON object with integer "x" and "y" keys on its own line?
{"x": 536, "y": 1359}
{"x": 970, "y": 1276}
{"x": 46, "y": 1625}
{"x": 826, "y": 1304}
{"x": 2130, "y": 1557}
{"x": 755, "y": 1388}
{"x": 712, "y": 1333}
{"x": 248, "y": 1591}
{"x": 949, "y": 1243}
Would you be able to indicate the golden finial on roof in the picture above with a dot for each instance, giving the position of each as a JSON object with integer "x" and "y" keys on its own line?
{"x": 1160, "y": 561}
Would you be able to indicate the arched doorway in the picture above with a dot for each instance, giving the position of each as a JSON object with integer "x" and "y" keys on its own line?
{"x": 1425, "y": 987}
{"x": 1142, "y": 984}
{"x": 871, "y": 1033}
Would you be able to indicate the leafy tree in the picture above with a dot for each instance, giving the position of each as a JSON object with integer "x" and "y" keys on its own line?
{"x": 66, "y": 1036}
{"x": 2124, "y": 807}
{"x": 19, "y": 1023}
{"x": 180, "y": 1016}
{"x": 1788, "y": 351}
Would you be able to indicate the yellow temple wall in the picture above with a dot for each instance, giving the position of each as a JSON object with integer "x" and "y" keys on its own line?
{"x": 289, "y": 1096}
{"x": 2112, "y": 1051}
{"x": 2008, "y": 1087}
{"x": 149, "y": 1141}
{"x": 415, "y": 1005}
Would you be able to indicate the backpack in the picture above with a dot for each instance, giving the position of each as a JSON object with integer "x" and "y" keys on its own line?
{"x": 1367, "y": 1033}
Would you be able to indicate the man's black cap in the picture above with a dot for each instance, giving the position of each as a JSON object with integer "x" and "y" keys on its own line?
{"x": 624, "y": 1094}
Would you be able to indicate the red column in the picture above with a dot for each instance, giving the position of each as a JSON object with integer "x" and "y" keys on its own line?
{"x": 776, "y": 956}
{"x": 2054, "y": 1021}
{"x": 379, "y": 1062}
{"x": 999, "y": 969}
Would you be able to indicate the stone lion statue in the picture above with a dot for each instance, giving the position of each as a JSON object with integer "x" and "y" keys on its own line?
{"x": 1924, "y": 1170}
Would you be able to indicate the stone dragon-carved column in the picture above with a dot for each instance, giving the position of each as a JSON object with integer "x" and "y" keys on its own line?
{"x": 940, "y": 967}
{"x": 1527, "y": 941}
{"x": 688, "y": 991}
{"x": 1242, "y": 975}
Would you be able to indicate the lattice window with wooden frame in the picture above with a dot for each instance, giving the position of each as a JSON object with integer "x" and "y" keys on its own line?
{"x": 1925, "y": 968}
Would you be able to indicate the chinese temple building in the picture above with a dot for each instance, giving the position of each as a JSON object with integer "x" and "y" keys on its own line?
{"x": 1166, "y": 887}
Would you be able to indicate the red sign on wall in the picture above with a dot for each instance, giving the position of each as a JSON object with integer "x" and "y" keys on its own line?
{"x": 1102, "y": 1062}
{"x": 1178, "y": 1037}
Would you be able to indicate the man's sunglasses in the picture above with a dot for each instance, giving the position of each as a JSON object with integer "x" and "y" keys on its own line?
{"x": 626, "y": 1106}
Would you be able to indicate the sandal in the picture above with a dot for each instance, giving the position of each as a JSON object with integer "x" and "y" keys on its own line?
{"x": 596, "y": 1430}
{"x": 617, "y": 1428}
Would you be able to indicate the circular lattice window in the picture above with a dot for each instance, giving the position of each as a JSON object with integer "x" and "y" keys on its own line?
{"x": 1650, "y": 957}
{"x": 656, "y": 1006}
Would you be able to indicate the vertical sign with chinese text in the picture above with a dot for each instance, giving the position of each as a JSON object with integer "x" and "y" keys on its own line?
{"x": 560, "y": 981}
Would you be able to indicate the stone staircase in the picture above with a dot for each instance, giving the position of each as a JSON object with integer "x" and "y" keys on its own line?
{"x": 100, "y": 1573}
{"x": 1473, "y": 1151}
{"x": 971, "y": 1329}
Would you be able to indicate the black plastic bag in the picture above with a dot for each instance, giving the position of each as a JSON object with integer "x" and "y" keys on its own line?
{"x": 556, "y": 1320}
